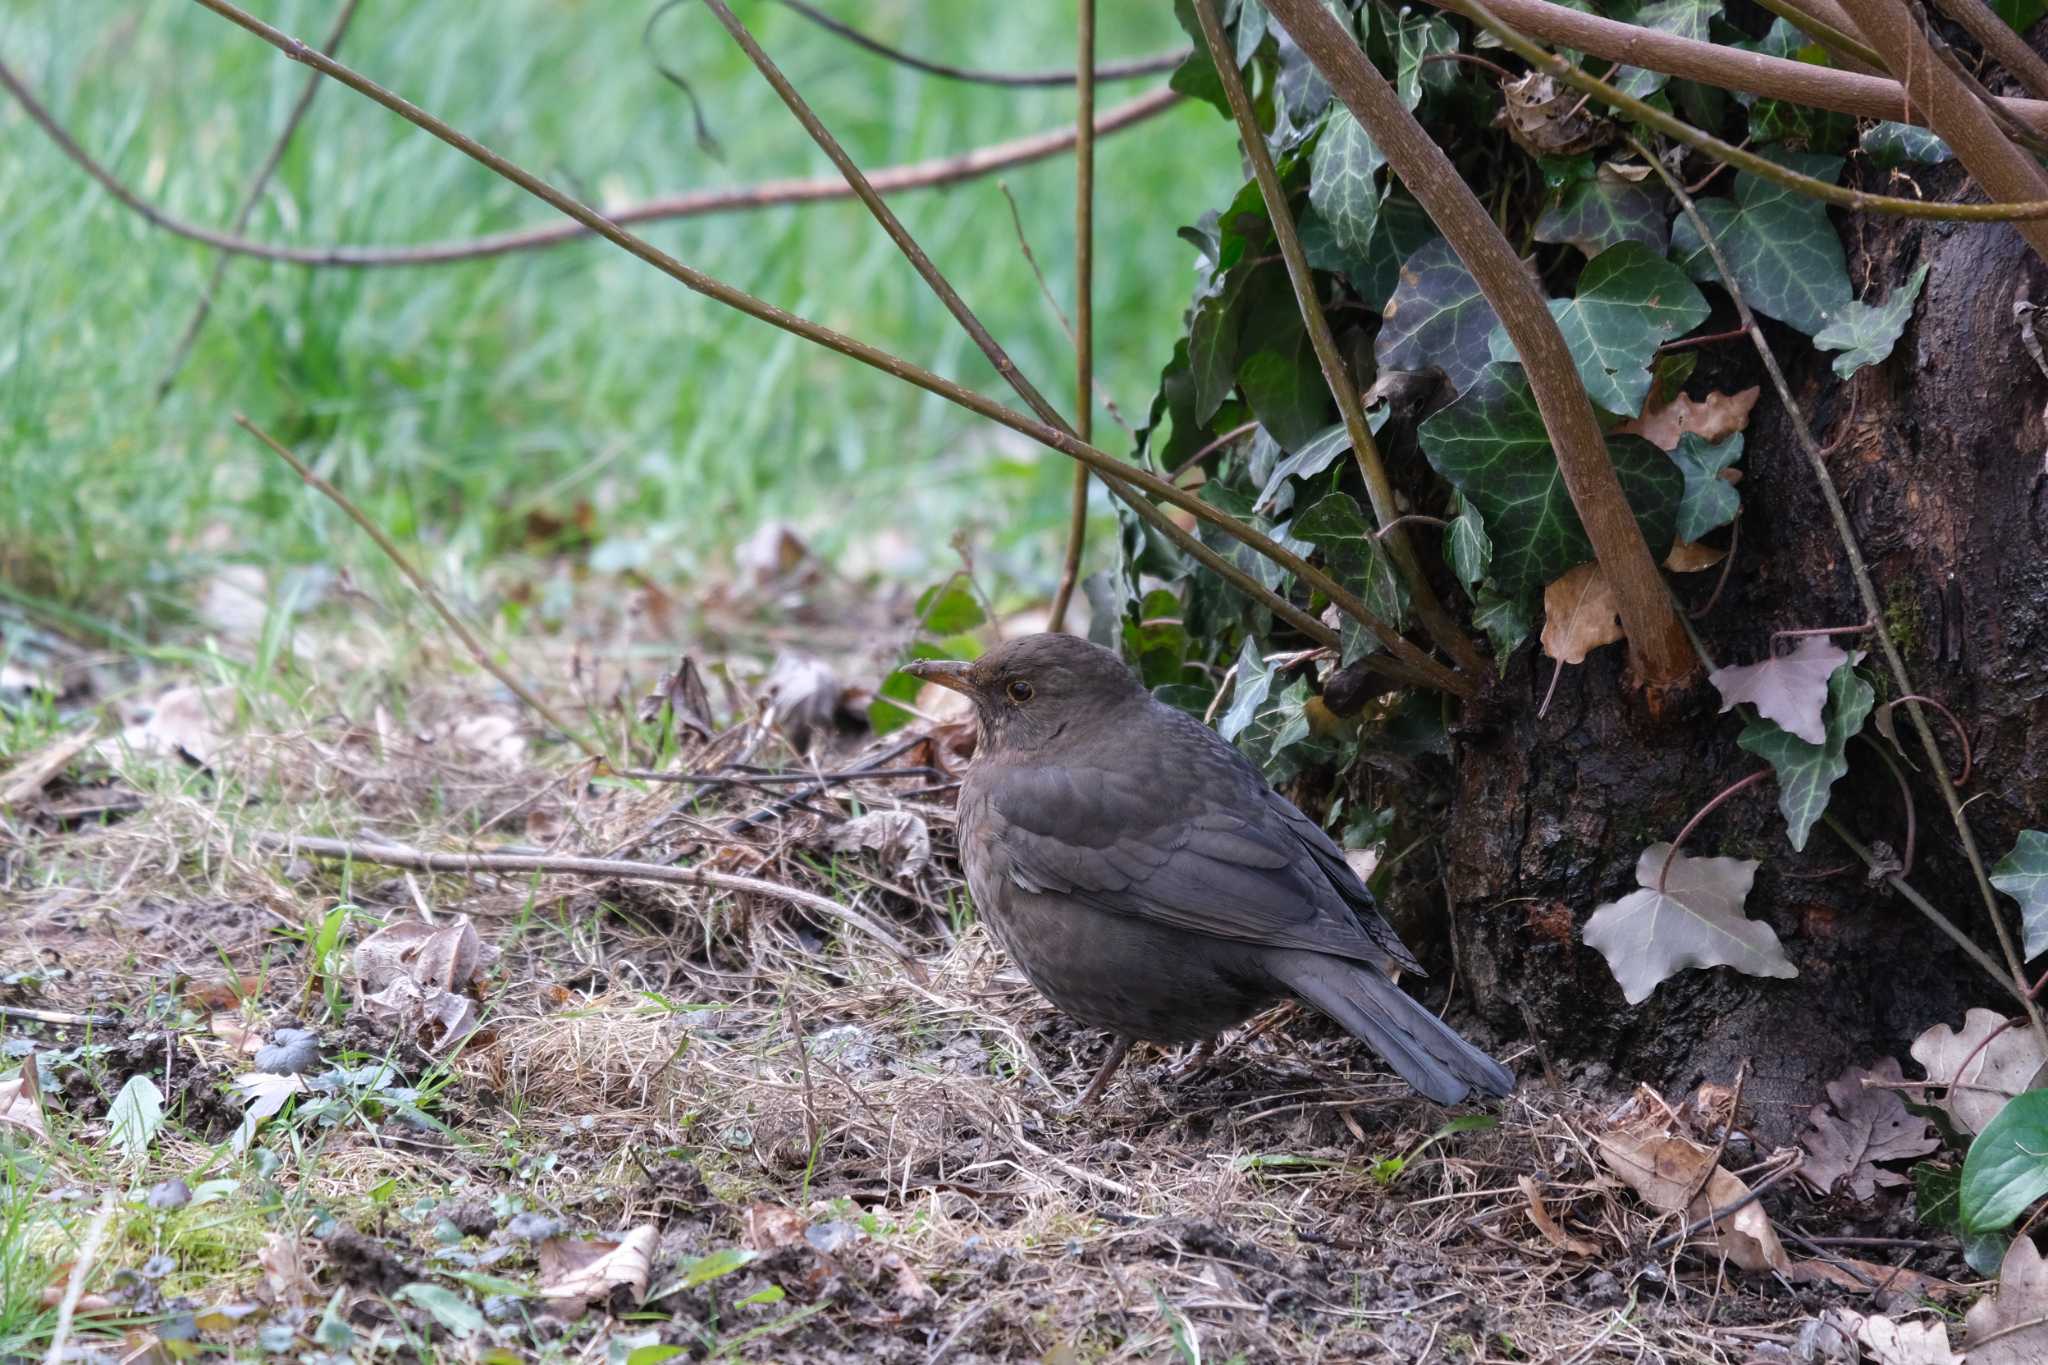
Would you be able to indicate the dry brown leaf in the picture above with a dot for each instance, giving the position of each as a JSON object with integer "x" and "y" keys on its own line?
{"x": 1861, "y": 1126}
{"x": 19, "y": 1104}
{"x": 1991, "y": 1072}
{"x": 688, "y": 701}
{"x": 25, "y": 780}
{"x": 1711, "y": 418}
{"x": 435, "y": 1018}
{"x": 222, "y": 993}
{"x": 1579, "y": 615}
{"x": 1898, "y": 1285}
{"x": 1547, "y": 1224}
{"x": 237, "y": 1033}
{"x": 772, "y": 554}
{"x": 1664, "y": 1169}
{"x": 803, "y": 696}
{"x": 2011, "y": 1326}
{"x": 572, "y": 1274}
{"x": 771, "y": 1227}
{"x": 286, "y": 1278}
{"x": 1690, "y": 557}
{"x": 1550, "y": 121}
{"x": 902, "y": 840}
{"x": 1888, "y": 1342}
{"x": 449, "y": 956}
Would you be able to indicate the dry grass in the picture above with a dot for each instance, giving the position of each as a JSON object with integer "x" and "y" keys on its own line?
{"x": 889, "y": 1139}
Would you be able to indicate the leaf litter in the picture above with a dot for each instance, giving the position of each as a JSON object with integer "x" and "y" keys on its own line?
{"x": 681, "y": 1059}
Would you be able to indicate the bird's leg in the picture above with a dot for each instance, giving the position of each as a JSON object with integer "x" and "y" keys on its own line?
{"x": 1115, "y": 1059}
{"x": 1197, "y": 1057}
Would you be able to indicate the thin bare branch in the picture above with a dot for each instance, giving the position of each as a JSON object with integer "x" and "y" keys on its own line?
{"x": 918, "y": 175}
{"x": 1997, "y": 38}
{"x": 405, "y": 566}
{"x": 1365, "y": 450}
{"x": 1084, "y": 304}
{"x": 251, "y": 197}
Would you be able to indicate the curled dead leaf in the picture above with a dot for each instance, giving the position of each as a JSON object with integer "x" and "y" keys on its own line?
{"x": 1665, "y": 1170}
{"x": 436, "y": 1018}
{"x": 1690, "y": 557}
{"x": 573, "y": 1273}
{"x": 1711, "y": 418}
{"x": 1579, "y": 614}
{"x": 448, "y": 956}
{"x": 899, "y": 837}
{"x": 1550, "y": 121}
{"x": 1982, "y": 1067}
{"x": 1546, "y": 1223}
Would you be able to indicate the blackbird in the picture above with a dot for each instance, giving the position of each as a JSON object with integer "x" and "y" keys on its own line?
{"x": 1149, "y": 881}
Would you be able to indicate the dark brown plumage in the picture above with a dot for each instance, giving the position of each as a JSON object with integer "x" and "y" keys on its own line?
{"x": 1149, "y": 882}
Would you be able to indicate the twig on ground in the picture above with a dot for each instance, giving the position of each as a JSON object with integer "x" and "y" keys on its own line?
{"x": 63, "y": 1017}
{"x": 398, "y": 855}
{"x": 426, "y": 590}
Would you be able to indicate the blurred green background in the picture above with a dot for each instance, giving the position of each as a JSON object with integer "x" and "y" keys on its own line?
{"x": 455, "y": 401}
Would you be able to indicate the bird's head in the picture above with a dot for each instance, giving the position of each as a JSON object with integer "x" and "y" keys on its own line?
{"x": 1028, "y": 690}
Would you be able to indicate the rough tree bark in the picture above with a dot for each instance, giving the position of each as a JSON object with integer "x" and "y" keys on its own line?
{"x": 1938, "y": 454}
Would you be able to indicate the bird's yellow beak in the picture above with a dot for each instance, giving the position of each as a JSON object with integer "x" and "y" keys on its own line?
{"x": 945, "y": 672}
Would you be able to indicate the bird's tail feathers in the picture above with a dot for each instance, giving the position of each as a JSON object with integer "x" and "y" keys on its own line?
{"x": 1427, "y": 1052}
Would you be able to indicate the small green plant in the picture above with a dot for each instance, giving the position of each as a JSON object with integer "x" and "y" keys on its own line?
{"x": 1389, "y": 1169}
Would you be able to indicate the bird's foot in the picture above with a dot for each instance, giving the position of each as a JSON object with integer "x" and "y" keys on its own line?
{"x": 1109, "y": 1067}
{"x": 1194, "y": 1060}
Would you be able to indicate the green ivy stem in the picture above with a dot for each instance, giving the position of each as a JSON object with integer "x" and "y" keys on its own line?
{"x": 1656, "y": 637}
{"x": 1761, "y": 167}
{"x": 2005, "y": 172}
{"x": 1084, "y": 301}
{"x": 1836, "y": 39}
{"x": 1365, "y": 450}
{"x": 1820, "y": 87}
{"x": 739, "y": 300}
{"x": 1996, "y": 37}
{"x": 2014, "y": 972}
{"x": 1402, "y": 650}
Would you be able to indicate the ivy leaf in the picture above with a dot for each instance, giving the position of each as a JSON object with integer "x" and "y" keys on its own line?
{"x": 1630, "y": 301}
{"x": 1415, "y": 37}
{"x": 1399, "y": 230}
{"x": 1709, "y": 499}
{"x": 1603, "y": 211}
{"x": 1785, "y": 253}
{"x": 136, "y": 1116}
{"x": 1343, "y": 180}
{"x": 1213, "y": 342}
{"x": 1279, "y": 738}
{"x": 1312, "y": 458}
{"x": 1686, "y": 18}
{"x": 1505, "y": 620}
{"x": 1254, "y": 680}
{"x": 1286, "y": 392}
{"x": 2007, "y": 1167}
{"x": 1790, "y": 690}
{"x": 1865, "y": 333}
{"x": 1492, "y": 446}
{"x": 1436, "y": 318}
{"x": 1889, "y": 145}
{"x": 1354, "y": 556}
{"x": 1807, "y": 772}
{"x": 1251, "y": 29}
{"x": 1649, "y": 936}
{"x": 2023, "y": 875}
{"x": 2020, "y": 15}
{"x": 1466, "y": 547}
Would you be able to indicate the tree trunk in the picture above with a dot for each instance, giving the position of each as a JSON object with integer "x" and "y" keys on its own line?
{"x": 1938, "y": 454}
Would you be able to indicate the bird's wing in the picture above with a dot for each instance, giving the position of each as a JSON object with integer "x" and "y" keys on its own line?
{"x": 1199, "y": 849}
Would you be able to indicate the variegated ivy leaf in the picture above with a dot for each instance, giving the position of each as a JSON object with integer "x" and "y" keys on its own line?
{"x": 1343, "y": 180}
{"x": 1253, "y": 680}
{"x": 1505, "y": 620}
{"x": 1416, "y": 36}
{"x": 1492, "y": 446}
{"x": 1466, "y": 547}
{"x": 2023, "y": 875}
{"x": 1866, "y": 332}
{"x": 1603, "y": 210}
{"x": 1437, "y": 318}
{"x": 1806, "y": 772}
{"x": 1251, "y": 29}
{"x": 1312, "y": 459}
{"x": 1696, "y": 920}
{"x": 1355, "y": 558}
{"x": 1709, "y": 499}
{"x": 1894, "y": 144}
{"x": 1686, "y": 18}
{"x": 1630, "y": 301}
{"x": 1785, "y": 254}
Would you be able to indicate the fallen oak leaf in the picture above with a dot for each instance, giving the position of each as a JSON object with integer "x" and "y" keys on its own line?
{"x": 1861, "y": 1126}
{"x": 1981, "y": 1067}
{"x": 2010, "y": 1327}
{"x": 1888, "y": 1342}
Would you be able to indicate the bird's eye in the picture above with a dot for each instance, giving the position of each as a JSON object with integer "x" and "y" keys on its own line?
{"x": 1020, "y": 691}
